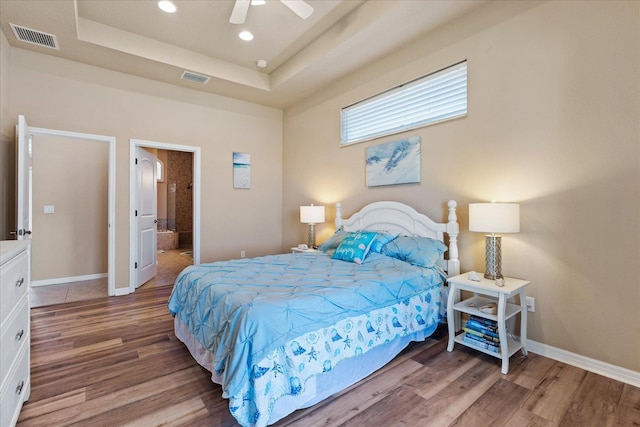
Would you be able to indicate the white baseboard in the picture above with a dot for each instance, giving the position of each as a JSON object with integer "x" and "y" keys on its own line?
{"x": 121, "y": 291}
{"x": 60, "y": 280}
{"x": 596, "y": 366}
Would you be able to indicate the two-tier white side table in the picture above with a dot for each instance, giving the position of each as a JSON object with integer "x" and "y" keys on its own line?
{"x": 486, "y": 291}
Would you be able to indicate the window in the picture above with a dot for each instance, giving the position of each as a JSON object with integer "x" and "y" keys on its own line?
{"x": 160, "y": 171}
{"x": 430, "y": 99}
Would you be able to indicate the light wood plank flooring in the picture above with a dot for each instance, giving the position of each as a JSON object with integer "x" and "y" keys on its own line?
{"x": 115, "y": 361}
{"x": 170, "y": 263}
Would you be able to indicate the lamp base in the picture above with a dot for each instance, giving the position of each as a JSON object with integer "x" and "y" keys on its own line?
{"x": 493, "y": 257}
{"x": 311, "y": 240}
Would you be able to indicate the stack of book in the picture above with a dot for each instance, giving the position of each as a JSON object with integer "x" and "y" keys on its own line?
{"x": 482, "y": 333}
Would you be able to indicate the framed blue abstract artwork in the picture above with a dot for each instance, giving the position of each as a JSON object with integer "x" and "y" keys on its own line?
{"x": 392, "y": 163}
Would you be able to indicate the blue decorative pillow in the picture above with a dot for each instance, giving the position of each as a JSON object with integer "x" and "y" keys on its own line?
{"x": 382, "y": 238}
{"x": 420, "y": 251}
{"x": 334, "y": 241}
{"x": 355, "y": 246}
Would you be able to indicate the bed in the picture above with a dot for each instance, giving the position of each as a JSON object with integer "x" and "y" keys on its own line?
{"x": 283, "y": 332}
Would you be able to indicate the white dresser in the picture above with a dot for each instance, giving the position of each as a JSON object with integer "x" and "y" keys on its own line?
{"x": 15, "y": 278}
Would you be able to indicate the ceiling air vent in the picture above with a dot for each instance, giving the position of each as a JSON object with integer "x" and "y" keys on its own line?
{"x": 36, "y": 37}
{"x": 198, "y": 78}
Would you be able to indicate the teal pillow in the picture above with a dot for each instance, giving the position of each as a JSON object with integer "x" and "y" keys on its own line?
{"x": 355, "y": 246}
{"x": 420, "y": 251}
{"x": 334, "y": 241}
{"x": 382, "y": 238}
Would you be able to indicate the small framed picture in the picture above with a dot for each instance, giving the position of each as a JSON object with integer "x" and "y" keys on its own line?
{"x": 241, "y": 170}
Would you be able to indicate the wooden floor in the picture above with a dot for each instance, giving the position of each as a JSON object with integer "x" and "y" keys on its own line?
{"x": 170, "y": 263}
{"x": 115, "y": 361}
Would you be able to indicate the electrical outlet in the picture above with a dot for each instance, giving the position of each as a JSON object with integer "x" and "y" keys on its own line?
{"x": 531, "y": 304}
{"x": 242, "y": 254}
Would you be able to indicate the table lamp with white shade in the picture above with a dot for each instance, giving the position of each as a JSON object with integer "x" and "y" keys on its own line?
{"x": 494, "y": 218}
{"x": 312, "y": 215}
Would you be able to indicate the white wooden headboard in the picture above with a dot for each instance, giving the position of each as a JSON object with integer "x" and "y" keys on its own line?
{"x": 396, "y": 217}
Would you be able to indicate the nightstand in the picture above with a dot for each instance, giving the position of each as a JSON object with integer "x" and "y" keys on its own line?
{"x": 303, "y": 251}
{"x": 485, "y": 292}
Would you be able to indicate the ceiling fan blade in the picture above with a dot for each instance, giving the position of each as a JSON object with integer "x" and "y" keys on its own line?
{"x": 239, "y": 13}
{"x": 299, "y": 7}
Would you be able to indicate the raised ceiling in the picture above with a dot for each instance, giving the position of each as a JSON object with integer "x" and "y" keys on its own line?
{"x": 135, "y": 37}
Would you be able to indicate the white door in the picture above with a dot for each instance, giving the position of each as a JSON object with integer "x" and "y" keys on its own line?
{"x": 23, "y": 217}
{"x": 146, "y": 213}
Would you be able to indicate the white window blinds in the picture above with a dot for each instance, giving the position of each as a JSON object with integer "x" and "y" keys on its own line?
{"x": 436, "y": 97}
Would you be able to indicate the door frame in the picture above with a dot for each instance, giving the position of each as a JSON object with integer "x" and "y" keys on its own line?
{"x": 111, "y": 215}
{"x": 133, "y": 197}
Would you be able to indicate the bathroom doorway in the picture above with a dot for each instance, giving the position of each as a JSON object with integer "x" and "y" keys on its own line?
{"x": 178, "y": 212}
{"x": 175, "y": 201}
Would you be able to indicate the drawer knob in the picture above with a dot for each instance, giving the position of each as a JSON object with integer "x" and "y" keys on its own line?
{"x": 19, "y": 335}
{"x": 20, "y": 282}
{"x": 20, "y": 387}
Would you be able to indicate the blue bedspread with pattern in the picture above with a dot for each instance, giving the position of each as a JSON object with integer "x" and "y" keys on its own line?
{"x": 245, "y": 310}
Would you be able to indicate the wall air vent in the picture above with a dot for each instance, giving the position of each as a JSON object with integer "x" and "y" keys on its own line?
{"x": 36, "y": 37}
{"x": 198, "y": 78}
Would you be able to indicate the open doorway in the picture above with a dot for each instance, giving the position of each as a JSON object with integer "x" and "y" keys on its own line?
{"x": 177, "y": 213}
{"x": 175, "y": 201}
{"x": 62, "y": 216}
{"x": 173, "y": 229}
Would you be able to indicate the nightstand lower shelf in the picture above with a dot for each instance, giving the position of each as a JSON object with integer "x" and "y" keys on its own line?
{"x": 513, "y": 346}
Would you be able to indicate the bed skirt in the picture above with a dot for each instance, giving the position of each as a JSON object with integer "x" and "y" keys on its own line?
{"x": 319, "y": 387}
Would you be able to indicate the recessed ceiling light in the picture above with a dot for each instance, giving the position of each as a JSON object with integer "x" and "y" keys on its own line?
{"x": 261, "y": 63}
{"x": 167, "y": 6}
{"x": 258, "y": 2}
{"x": 246, "y": 36}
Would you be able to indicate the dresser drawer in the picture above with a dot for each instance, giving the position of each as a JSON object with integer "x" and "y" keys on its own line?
{"x": 14, "y": 283}
{"x": 15, "y": 390}
{"x": 13, "y": 335}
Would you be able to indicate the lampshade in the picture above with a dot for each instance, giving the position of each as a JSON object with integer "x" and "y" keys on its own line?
{"x": 312, "y": 214}
{"x": 494, "y": 217}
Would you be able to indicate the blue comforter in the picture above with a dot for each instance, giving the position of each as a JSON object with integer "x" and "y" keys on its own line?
{"x": 241, "y": 310}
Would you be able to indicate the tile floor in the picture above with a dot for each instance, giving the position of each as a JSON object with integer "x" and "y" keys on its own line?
{"x": 170, "y": 263}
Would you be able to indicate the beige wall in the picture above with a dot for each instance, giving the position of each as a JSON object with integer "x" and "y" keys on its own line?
{"x": 552, "y": 124}
{"x": 7, "y": 146}
{"x": 60, "y": 94}
{"x": 71, "y": 175}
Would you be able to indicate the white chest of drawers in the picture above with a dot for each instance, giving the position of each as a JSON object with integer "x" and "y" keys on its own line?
{"x": 15, "y": 278}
